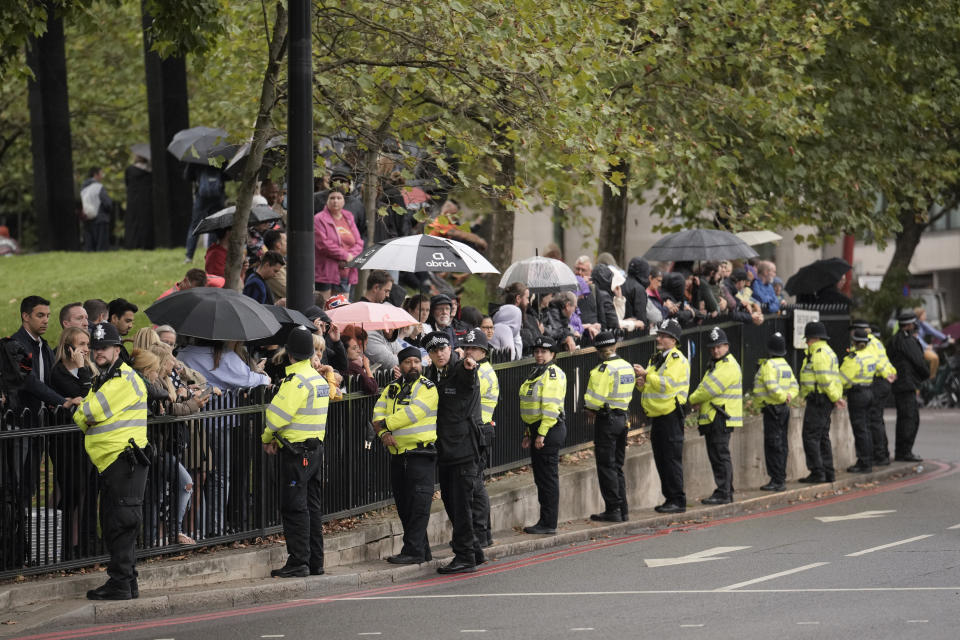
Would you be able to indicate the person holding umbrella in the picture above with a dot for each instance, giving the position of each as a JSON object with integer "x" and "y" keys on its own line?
{"x": 720, "y": 400}
{"x": 665, "y": 384}
{"x": 820, "y": 386}
{"x": 542, "y": 397}
{"x": 296, "y": 423}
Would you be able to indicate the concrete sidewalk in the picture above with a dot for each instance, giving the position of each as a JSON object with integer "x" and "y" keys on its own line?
{"x": 206, "y": 581}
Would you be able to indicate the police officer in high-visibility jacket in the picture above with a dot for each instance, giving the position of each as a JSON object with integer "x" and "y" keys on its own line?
{"x": 720, "y": 399}
{"x": 857, "y": 371}
{"x": 113, "y": 418}
{"x": 886, "y": 374}
{"x": 607, "y": 399}
{"x": 474, "y": 345}
{"x": 405, "y": 419}
{"x": 664, "y": 386}
{"x": 774, "y": 386}
{"x": 820, "y": 386}
{"x": 296, "y": 423}
{"x": 541, "y": 410}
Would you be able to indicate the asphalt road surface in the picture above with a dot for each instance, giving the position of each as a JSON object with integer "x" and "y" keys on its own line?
{"x": 883, "y": 562}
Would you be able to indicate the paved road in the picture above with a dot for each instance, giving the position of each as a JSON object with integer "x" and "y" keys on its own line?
{"x": 879, "y": 563}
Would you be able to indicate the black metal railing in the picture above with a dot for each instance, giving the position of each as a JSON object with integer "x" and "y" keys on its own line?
{"x": 211, "y": 481}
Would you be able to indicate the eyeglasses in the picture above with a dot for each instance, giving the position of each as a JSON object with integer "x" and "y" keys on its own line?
{"x": 487, "y": 327}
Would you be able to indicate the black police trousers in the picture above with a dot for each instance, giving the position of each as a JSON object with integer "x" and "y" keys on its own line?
{"x": 545, "y": 463}
{"x": 908, "y": 422}
{"x": 859, "y": 400}
{"x": 610, "y": 449}
{"x": 666, "y": 439}
{"x": 457, "y": 482}
{"x": 121, "y": 510}
{"x": 480, "y": 506}
{"x": 717, "y": 437}
{"x": 301, "y": 506}
{"x": 878, "y": 430}
{"x": 776, "y": 421}
{"x": 412, "y": 475}
{"x": 816, "y": 436}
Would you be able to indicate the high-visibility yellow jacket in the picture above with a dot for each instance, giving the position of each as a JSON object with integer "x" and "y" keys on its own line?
{"x": 489, "y": 391}
{"x": 409, "y": 409}
{"x": 667, "y": 383}
{"x": 299, "y": 410}
{"x": 774, "y": 382}
{"x": 112, "y": 414}
{"x": 885, "y": 368}
{"x": 858, "y": 367}
{"x": 610, "y": 386}
{"x": 541, "y": 397}
{"x": 820, "y": 372}
{"x": 722, "y": 386}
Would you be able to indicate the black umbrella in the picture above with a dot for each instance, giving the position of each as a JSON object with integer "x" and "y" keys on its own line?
{"x": 289, "y": 319}
{"x": 816, "y": 276}
{"x": 239, "y": 160}
{"x": 223, "y": 219}
{"x": 699, "y": 244}
{"x": 198, "y": 145}
{"x": 214, "y": 314}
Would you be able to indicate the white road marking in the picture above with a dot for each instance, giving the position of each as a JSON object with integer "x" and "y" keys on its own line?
{"x": 812, "y": 622}
{"x": 473, "y": 630}
{"x": 887, "y": 546}
{"x": 691, "y": 626}
{"x": 273, "y": 636}
{"x": 912, "y": 621}
{"x": 582, "y": 629}
{"x": 699, "y": 556}
{"x": 369, "y": 633}
{"x": 956, "y": 526}
{"x": 855, "y": 516}
{"x": 772, "y": 576}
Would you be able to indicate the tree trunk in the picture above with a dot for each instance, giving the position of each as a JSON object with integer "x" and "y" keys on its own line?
{"x": 613, "y": 215}
{"x": 54, "y": 193}
{"x": 500, "y": 252}
{"x": 263, "y": 131}
{"x": 371, "y": 177}
{"x": 169, "y": 112}
{"x": 890, "y": 296}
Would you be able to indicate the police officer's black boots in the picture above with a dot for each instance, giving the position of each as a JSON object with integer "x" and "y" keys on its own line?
{"x": 291, "y": 571}
{"x": 112, "y": 590}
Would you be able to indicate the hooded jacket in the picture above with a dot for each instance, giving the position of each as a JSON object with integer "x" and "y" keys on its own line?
{"x": 672, "y": 289}
{"x": 635, "y": 289}
{"x": 507, "y": 322}
{"x": 597, "y": 306}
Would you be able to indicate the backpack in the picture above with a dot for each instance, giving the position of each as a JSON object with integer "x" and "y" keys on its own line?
{"x": 16, "y": 363}
{"x": 90, "y": 197}
{"x": 210, "y": 184}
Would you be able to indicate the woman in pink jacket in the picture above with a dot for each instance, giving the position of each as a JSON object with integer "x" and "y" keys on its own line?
{"x": 336, "y": 242}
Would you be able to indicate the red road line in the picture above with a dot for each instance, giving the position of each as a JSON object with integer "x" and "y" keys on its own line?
{"x": 943, "y": 469}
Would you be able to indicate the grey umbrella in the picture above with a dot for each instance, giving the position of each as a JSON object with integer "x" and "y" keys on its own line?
{"x": 141, "y": 149}
{"x": 214, "y": 314}
{"x": 198, "y": 145}
{"x": 223, "y": 219}
{"x": 540, "y": 275}
{"x": 699, "y": 244}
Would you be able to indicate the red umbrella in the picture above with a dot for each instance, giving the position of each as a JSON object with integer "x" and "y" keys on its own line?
{"x": 371, "y": 316}
{"x": 953, "y": 330}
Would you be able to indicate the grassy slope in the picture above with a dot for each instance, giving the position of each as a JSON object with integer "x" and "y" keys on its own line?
{"x": 61, "y": 277}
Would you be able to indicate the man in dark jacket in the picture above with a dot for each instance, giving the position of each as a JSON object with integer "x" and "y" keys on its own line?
{"x": 458, "y": 445}
{"x": 635, "y": 291}
{"x": 597, "y": 306}
{"x": 674, "y": 300}
{"x": 906, "y": 354}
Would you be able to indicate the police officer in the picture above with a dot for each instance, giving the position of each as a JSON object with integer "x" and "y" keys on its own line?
{"x": 607, "y": 399}
{"x": 458, "y": 445}
{"x": 774, "y": 386}
{"x": 665, "y": 384}
{"x": 857, "y": 371}
{"x": 475, "y": 345}
{"x": 541, "y": 410}
{"x": 113, "y": 417}
{"x": 296, "y": 423}
{"x": 880, "y": 388}
{"x": 906, "y": 355}
{"x": 405, "y": 419}
{"x": 820, "y": 386}
{"x": 720, "y": 399}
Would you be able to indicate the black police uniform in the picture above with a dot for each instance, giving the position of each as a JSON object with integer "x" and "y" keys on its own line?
{"x": 906, "y": 355}
{"x": 458, "y": 421}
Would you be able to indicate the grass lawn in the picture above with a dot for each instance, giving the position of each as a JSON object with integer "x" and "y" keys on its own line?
{"x": 64, "y": 277}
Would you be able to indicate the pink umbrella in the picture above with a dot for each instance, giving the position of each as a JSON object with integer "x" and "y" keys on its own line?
{"x": 371, "y": 316}
{"x": 953, "y": 330}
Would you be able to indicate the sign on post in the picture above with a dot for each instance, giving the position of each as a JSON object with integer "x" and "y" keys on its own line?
{"x": 801, "y": 318}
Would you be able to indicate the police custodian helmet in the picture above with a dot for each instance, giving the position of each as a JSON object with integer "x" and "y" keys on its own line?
{"x": 545, "y": 342}
{"x": 474, "y": 338}
{"x": 716, "y": 337}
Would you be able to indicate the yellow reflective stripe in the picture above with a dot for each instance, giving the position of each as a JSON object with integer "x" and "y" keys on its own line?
{"x": 119, "y": 424}
{"x": 280, "y": 413}
{"x": 405, "y": 431}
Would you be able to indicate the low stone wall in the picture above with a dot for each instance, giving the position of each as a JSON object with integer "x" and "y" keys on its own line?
{"x": 513, "y": 498}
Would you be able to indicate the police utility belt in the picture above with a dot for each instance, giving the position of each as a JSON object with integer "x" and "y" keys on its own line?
{"x": 612, "y": 412}
{"x": 137, "y": 457}
{"x": 422, "y": 449}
